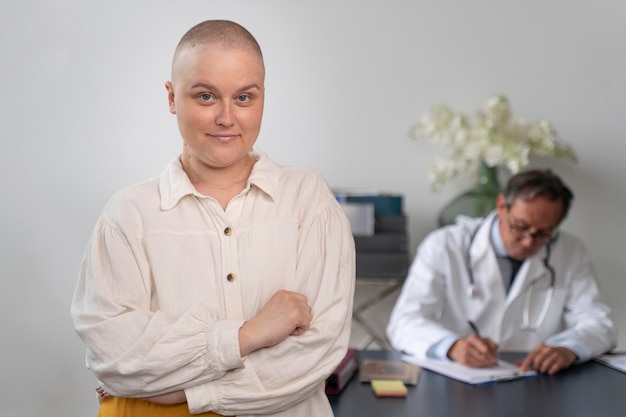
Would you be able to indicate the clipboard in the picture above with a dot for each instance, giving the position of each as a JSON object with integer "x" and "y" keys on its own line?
{"x": 505, "y": 371}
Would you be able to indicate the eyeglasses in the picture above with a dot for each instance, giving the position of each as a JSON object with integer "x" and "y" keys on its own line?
{"x": 523, "y": 232}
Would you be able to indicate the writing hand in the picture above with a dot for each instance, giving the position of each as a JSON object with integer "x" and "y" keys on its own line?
{"x": 474, "y": 351}
{"x": 286, "y": 313}
{"x": 547, "y": 359}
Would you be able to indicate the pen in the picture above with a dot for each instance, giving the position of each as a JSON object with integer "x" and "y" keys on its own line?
{"x": 474, "y": 327}
{"x": 477, "y": 333}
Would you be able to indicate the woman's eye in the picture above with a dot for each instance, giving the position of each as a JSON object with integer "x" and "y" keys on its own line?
{"x": 243, "y": 98}
{"x": 206, "y": 97}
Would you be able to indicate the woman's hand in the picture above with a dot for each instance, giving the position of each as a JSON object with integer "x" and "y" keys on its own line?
{"x": 286, "y": 313}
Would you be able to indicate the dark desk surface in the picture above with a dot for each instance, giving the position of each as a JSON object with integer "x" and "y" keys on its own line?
{"x": 586, "y": 390}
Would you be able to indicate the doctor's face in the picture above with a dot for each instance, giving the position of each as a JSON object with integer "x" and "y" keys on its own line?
{"x": 527, "y": 226}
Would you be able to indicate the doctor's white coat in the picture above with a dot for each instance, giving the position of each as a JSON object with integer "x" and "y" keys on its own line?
{"x": 436, "y": 303}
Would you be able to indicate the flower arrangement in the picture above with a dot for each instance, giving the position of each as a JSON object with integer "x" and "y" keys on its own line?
{"x": 492, "y": 136}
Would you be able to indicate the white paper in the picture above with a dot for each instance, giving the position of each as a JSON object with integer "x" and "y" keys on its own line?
{"x": 614, "y": 360}
{"x": 503, "y": 372}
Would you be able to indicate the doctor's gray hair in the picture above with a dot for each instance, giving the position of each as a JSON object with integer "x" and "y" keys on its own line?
{"x": 529, "y": 184}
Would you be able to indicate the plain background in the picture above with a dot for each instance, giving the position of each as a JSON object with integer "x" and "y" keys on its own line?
{"x": 84, "y": 112}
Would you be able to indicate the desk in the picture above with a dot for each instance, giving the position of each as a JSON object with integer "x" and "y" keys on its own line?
{"x": 585, "y": 390}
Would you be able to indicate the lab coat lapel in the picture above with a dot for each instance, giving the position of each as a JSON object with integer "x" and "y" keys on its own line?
{"x": 484, "y": 263}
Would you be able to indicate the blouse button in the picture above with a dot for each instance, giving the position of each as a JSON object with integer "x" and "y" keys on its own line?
{"x": 228, "y": 231}
{"x": 231, "y": 277}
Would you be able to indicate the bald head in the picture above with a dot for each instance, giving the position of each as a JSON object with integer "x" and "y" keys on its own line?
{"x": 222, "y": 34}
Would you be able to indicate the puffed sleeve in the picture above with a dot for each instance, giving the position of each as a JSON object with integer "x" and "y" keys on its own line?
{"x": 131, "y": 349}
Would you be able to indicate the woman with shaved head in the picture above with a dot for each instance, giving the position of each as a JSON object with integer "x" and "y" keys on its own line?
{"x": 224, "y": 285}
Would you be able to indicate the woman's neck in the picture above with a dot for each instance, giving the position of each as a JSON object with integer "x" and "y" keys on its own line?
{"x": 220, "y": 183}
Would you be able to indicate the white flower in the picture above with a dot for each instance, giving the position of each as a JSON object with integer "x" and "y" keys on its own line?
{"x": 497, "y": 110}
{"x": 492, "y": 135}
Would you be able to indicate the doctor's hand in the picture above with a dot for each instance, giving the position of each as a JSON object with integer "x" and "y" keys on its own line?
{"x": 474, "y": 351}
{"x": 547, "y": 359}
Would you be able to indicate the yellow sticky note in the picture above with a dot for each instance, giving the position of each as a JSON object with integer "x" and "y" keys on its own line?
{"x": 390, "y": 388}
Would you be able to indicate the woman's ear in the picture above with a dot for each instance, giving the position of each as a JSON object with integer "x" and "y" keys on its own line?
{"x": 170, "y": 96}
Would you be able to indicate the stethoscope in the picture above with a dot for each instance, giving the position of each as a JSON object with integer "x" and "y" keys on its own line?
{"x": 473, "y": 292}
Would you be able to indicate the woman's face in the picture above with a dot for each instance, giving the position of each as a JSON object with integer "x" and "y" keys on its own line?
{"x": 217, "y": 95}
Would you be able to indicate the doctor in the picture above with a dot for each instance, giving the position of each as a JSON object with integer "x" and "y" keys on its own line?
{"x": 465, "y": 298}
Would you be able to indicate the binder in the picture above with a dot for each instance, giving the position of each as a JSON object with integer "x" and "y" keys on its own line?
{"x": 344, "y": 372}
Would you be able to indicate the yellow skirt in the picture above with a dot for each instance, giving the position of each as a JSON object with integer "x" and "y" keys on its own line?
{"x": 135, "y": 407}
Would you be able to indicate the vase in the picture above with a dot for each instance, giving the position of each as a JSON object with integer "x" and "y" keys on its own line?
{"x": 477, "y": 202}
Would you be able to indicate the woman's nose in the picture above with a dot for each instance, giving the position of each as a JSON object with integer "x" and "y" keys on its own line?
{"x": 224, "y": 115}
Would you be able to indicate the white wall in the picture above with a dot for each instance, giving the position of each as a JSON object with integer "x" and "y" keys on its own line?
{"x": 83, "y": 112}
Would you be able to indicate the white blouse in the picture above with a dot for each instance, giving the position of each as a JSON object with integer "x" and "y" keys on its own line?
{"x": 169, "y": 277}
